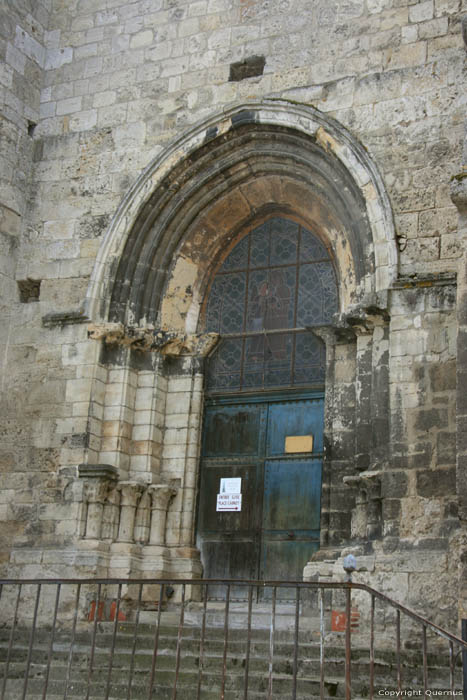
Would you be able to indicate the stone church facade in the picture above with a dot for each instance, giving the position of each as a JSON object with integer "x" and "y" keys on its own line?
{"x": 143, "y": 143}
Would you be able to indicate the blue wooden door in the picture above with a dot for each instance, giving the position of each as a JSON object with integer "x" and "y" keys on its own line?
{"x": 292, "y": 488}
{"x": 277, "y": 529}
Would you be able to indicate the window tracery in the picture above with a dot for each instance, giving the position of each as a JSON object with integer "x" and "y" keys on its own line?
{"x": 275, "y": 284}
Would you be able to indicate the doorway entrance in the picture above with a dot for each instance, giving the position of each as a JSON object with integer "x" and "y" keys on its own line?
{"x": 261, "y": 465}
{"x": 272, "y": 446}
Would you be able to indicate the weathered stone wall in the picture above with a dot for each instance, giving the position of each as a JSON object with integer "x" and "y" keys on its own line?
{"x": 119, "y": 82}
{"x": 23, "y": 41}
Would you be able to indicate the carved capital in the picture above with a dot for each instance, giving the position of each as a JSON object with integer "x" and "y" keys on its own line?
{"x": 161, "y": 494}
{"x": 372, "y": 479}
{"x": 98, "y": 478}
{"x": 130, "y": 493}
{"x": 150, "y": 339}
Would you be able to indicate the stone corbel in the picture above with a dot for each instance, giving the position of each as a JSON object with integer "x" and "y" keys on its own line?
{"x": 150, "y": 339}
{"x": 365, "y": 318}
{"x": 361, "y": 320}
{"x": 333, "y": 335}
{"x": 130, "y": 494}
{"x": 98, "y": 479}
{"x": 161, "y": 495}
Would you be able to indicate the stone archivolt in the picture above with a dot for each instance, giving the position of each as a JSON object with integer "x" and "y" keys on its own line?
{"x": 225, "y": 175}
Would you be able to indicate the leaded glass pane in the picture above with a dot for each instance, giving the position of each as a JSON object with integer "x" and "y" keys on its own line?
{"x": 309, "y": 364}
{"x": 226, "y": 303}
{"x": 311, "y": 248}
{"x": 253, "y": 375}
{"x": 271, "y": 299}
{"x": 238, "y": 258}
{"x": 259, "y": 250}
{"x": 284, "y": 242}
{"x": 317, "y": 294}
{"x": 278, "y": 360}
{"x": 225, "y": 366}
{"x": 256, "y": 290}
{"x": 268, "y": 360}
{"x": 214, "y": 307}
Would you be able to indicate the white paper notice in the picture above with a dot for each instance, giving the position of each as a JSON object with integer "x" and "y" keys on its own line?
{"x": 229, "y": 501}
{"x": 231, "y": 485}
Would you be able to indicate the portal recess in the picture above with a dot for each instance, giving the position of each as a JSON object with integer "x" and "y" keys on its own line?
{"x": 265, "y": 402}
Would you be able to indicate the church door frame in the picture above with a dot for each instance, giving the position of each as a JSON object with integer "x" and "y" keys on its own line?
{"x": 278, "y": 528}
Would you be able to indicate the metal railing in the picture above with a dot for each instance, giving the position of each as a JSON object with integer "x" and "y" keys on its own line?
{"x": 151, "y": 638}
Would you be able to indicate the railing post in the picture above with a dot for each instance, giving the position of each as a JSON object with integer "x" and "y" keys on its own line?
{"x": 348, "y": 654}
{"x": 350, "y": 564}
{"x": 464, "y": 657}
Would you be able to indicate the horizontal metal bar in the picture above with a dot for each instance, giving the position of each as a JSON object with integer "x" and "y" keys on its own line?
{"x": 271, "y": 331}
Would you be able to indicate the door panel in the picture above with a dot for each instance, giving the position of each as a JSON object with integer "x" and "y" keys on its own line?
{"x": 289, "y": 418}
{"x": 291, "y": 518}
{"x": 234, "y": 440}
{"x": 284, "y": 560}
{"x": 292, "y": 494}
{"x": 231, "y": 522}
{"x": 277, "y": 529}
{"x": 226, "y": 559}
{"x": 232, "y": 430}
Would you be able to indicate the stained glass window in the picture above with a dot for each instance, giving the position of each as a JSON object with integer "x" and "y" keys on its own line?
{"x": 277, "y": 282}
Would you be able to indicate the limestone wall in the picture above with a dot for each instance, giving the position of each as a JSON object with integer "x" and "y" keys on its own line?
{"x": 119, "y": 82}
{"x": 23, "y": 42}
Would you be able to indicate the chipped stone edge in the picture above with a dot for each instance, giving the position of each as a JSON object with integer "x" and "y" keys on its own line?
{"x": 150, "y": 339}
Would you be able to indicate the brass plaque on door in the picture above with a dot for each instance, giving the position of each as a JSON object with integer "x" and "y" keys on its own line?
{"x": 299, "y": 443}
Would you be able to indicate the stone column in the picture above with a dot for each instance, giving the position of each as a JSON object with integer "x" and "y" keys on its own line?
{"x": 98, "y": 479}
{"x": 130, "y": 493}
{"x": 111, "y": 515}
{"x": 161, "y": 494}
{"x": 143, "y": 517}
{"x": 339, "y": 447}
{"x": 363, "y": 431}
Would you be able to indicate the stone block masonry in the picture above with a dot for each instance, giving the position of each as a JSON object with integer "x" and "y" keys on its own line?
{"x": 96, "y": 93}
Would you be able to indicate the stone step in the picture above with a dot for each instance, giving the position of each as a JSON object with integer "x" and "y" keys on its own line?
{"x": 283, "y": 659}
{"x": 308, "y": 670}
{"x": 307, "y": 674}
{"x": 163, "y": 687}
{"x": 191, "y": 645}
{"x": 143, "y": 662}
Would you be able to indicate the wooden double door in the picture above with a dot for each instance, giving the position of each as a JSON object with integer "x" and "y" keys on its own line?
{"x": 274, "y": 446}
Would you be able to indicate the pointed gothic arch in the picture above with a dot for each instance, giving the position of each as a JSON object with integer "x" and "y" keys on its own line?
{"x": 227, "y": 171}
{"x": 184, "y": 215}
